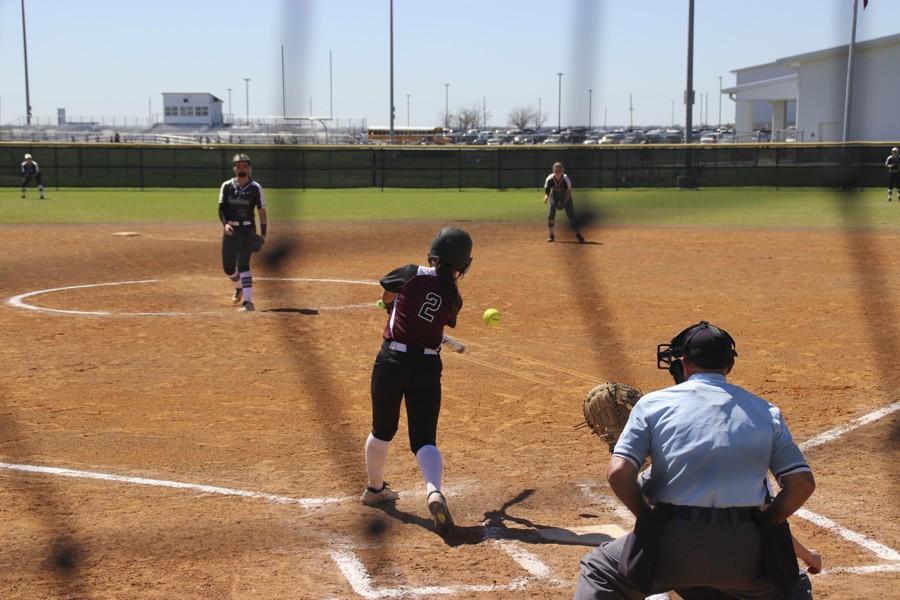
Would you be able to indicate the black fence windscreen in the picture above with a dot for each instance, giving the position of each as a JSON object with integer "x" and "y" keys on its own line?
{"x": 139, "y": 166}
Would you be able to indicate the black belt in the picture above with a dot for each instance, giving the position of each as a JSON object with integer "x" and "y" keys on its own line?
{"x": 709, "y": 514}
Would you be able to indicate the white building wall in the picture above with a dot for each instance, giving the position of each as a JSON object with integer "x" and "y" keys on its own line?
{"x": 876, "y": 95}
{"x": 191, "y": 109}
{"x": 876, "y": 88}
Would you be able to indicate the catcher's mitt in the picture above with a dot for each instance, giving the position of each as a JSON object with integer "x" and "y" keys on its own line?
{"x": 606, "y": 409}
{"x": 257, "y": 243}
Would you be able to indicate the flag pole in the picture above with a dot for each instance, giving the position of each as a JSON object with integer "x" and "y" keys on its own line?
{"x": 849, "y": 90}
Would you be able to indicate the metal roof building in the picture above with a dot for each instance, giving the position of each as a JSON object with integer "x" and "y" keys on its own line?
{"x": 807, "y": 91}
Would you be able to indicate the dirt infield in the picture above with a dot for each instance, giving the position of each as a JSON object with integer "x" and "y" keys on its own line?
{"x": 203, "y": 453}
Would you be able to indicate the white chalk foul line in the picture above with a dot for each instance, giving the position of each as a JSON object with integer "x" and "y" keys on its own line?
{"x": 879, "y": 550}
{"x": 196, "y": 487}
{"x": 837, "y": 432}
{"x": 359, "y": 579}
{"x": 18, "y": 301}
{"x": 863, "y": 570}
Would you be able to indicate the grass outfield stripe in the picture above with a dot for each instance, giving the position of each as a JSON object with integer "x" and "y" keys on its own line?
{"x": 740, "y": 207}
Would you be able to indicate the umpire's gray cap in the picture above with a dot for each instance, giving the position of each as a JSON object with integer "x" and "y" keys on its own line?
{"x": 240, "y": 158}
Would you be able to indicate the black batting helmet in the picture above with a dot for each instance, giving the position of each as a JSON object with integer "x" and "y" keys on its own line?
{"x": 452, "y": 247}
{"x": 240, "y": 158}
{"x": 705, "y": 345}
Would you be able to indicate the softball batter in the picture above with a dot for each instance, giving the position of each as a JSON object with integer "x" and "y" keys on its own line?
{"x": 420, "y": 301}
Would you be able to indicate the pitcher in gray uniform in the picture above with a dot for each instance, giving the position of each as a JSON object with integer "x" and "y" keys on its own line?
{"x": 238, "y": 198}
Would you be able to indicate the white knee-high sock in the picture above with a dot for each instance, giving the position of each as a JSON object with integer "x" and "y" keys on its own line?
{"x": 376, "y": 458}
{"x": 247, "y": 285}
{"x": 431, "y": 463}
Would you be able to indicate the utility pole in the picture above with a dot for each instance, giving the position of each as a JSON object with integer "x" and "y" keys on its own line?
{"x": 590, "y": 102}
{"x": 25, "y": 54}
{"x": 559, "y": 105}
{"x": 247, "y": 97}
{"x": 484, "y": 111}
{"x": 848, "y": 93}
{"x": 706, "y": 118}
{"x": 720, "y": 101}
{"x": 630, "y": 112}
{"x": 391, "y": 131}
{"x": 673, "y": 113}
{"x": 330, "y": 87}
{"x": 539, "y": 113}
{"x": 687, "y": 180}
{"x": 604, "y": 116}
{"x": 407, "y": 110}
{"x": 231, "y": 114}
{"x": 283, "y": 96}
{"x": 446, "y": 106}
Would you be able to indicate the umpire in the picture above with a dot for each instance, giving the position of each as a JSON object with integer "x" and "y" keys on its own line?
{"x": 238, "y": 197}
{"x": 711, "y": 444}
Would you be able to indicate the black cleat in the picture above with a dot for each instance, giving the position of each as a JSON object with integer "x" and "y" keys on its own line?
{"x": 580, "y": 238}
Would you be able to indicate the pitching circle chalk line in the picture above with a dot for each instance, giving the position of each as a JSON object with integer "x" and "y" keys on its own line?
{"x": 18, "y": 301}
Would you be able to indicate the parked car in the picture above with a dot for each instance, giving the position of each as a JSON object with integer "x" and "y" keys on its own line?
{"x": 612, "y": 138}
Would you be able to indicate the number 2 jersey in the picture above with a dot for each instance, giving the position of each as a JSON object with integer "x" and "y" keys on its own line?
{"x": 420, "y": 310}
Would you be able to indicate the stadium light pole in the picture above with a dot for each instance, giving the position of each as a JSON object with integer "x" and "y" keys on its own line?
{"x": 25, "y": 54}
{"x": 590, "y": 101}
{"x": 539, "y": 124}
{"x": 720, "y": 101}
{"x": 231, "y": 114}
{"x": 247, "y": 97}
{"x": 392, "y": 107}
{"x": 559, "y": 105}
{"x": 407, "y": 109}
{"x": 446, "y": 106}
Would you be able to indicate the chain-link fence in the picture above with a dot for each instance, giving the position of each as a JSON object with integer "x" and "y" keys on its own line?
{"x": 134, "y": 165}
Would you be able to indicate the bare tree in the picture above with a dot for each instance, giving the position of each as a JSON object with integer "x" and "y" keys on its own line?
{"x": 539, "y": 118}
{"x": 520, "y": 116}
{"x": 468, "y": 118}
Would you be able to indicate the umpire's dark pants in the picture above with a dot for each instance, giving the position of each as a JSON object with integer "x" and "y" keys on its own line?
{"x": 412, "y": 375}
{"x": 725, "y": 555}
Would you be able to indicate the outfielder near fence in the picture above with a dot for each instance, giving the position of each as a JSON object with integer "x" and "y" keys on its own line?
{"x": 155, "y": 165}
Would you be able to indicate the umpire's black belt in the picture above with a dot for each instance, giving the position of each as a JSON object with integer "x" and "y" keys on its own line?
{"x": 239, "y": 223}
{"x": 401, "y": 347}
{"x": 710, "y": 515}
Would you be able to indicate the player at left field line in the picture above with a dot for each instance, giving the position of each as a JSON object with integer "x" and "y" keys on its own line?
{"x": 238, "y": 197}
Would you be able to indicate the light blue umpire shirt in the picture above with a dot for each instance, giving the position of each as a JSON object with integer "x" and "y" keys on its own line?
{"x": 711, "y": 443}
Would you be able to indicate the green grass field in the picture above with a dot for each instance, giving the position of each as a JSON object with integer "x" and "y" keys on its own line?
{"x": 741, "y": 207}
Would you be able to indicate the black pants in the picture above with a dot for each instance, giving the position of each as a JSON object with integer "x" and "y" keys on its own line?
{"x": 417, "y": 378}
{"x": 893, "y": 180}
{"x": 29, "y": 177}
{"x": 236, "y": 249}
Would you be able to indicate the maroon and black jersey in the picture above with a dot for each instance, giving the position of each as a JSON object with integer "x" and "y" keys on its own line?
{"x": 420, "y": 311}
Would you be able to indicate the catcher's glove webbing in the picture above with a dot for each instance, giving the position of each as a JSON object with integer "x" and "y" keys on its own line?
{"x": 606, "y": 409}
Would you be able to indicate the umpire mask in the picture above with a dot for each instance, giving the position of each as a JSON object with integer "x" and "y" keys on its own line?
{"x": 704, "y": 345}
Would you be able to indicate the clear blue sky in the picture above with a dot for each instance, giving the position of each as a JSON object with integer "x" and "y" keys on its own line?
{"x": 107, "y": 57}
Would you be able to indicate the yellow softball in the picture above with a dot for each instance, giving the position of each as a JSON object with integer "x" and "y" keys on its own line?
{"x": 491, "y": 317}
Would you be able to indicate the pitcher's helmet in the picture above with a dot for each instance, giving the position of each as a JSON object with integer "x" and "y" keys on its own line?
{"x": 240, "y": 158}
{"x": 452, "y": 247}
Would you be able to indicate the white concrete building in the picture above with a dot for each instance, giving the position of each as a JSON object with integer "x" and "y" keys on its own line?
{"x": 807, "y": 91}
{"x": 191, "y": 109}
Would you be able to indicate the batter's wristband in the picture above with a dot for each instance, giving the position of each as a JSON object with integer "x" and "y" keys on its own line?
{"x": 263, "y": 228}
